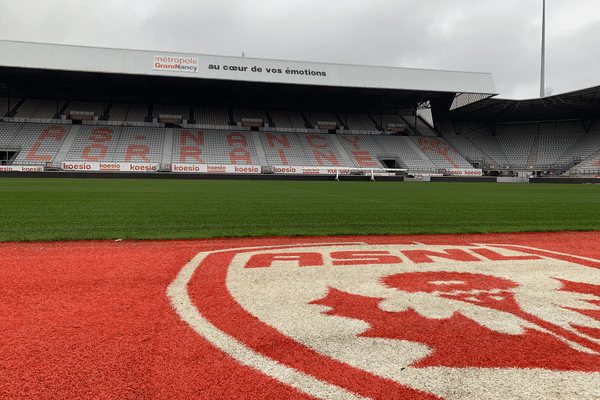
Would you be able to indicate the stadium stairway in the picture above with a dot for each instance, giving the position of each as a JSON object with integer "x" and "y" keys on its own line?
{"x": 345, "y": 157}
{"x": 66, "y": 145}
{"x": 424, "y": 128}
{"x": 404, "y": 150}
{"x": 375, "y": 123}
{"x": 13, "y": 112}
{"x": 167, "y": 149}
{"x": 39, "y": 143}
{"x": 260, "y": 151}
{"x": 307, "y": 124}
{"x": 411, "y": 144}
{"x": 491, "y": 148}
{"x": 269, "y": 118}
{"x": 517, "y": 149}
{"x": 63, "y": 110}
{"x": 533, "y": 153}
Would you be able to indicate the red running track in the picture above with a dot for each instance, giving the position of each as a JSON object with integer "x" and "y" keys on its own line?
{"x": 93, "y": 320}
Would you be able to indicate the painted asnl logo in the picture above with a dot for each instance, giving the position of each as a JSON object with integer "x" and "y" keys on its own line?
{"x": 402, "y": 321}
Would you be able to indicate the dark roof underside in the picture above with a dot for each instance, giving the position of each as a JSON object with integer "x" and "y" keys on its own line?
{"x": 578, "y": 105}
{"x": 104, "y": 87}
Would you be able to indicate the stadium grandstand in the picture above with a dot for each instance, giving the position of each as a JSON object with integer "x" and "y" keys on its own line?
{"x": 76, "y": 109}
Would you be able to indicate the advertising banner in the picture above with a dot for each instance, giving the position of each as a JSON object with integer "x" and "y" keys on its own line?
{"x": 286, "y": 169}
{"x": 425, "y": 177}
{"x": 244, "y": 69}
{"x": 216, "y": 169}
{"x": 382, "y": 173}
{"x": 21, "y": 168}
{"x": 114, "y": 166}
{"x": 133, "y": 167}
{"x": 80, "y": 166}
{"x": 463, "y": 172}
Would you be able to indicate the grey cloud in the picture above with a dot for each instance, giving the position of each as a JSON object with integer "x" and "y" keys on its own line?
{"x": 497, "y": 36}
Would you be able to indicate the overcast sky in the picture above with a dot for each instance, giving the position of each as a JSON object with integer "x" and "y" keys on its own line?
{"x": 498, "y": 36}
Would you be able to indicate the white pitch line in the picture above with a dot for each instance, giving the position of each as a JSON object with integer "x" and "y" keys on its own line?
{"x": 517, "y": 246}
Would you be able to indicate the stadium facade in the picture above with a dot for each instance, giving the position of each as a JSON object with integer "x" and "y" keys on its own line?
{"x": 93, "y": 109}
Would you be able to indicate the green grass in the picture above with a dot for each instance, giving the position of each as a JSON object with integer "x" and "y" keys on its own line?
{"x": 71, "y": 209}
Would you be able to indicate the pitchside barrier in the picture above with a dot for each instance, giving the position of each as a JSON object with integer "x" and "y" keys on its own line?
{"x": 21, "y": 168}
{"x": 216, "y": 169}
{"x": 282, "y": 169}
{"x": 253, "y": 169}
{"x": 462, "y": 172}
{"x": 373, "y": 172}
{"x": 291, "y": 170}
{"x": 238, "y": 169}
{"x": 110, "y": 166}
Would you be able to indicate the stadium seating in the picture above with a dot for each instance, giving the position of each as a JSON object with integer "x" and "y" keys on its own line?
{"x": 162, "y": 109}
{"x": 300, "y": 149}
{"x": 281, "y": 119}
{"x": 358, "y": 122}
{"x": 129, "y": 135}
{"x": 544, "y": 151}
{"x": 142, "y": 145}
{"x": 424, "y": 129}
{"x": 314, "y": 117}
{"x": 516, "y": 148}
{"x": 4, "y": 103}
{"x": 8, "y": 132}
{"x": 409, "y": 155}
{"x": 590, "y": 165}
{"x": 587, "y": 145}
{"x": 239, "y": 115}
{"x": 385, "y": 120}
{"x": 86, "y": 106}
{"x": 211, "y": 116}
{"x": 94, "y": 143}
{"x": 490, "y": 146}
{"x": 468, "y": 150}
{"x": 440, "y": 152}
{"x": 117, "y": 144}
{"x": 585, "y": 153}
{"x": 288, "y": 119}
{"x": 137, "y": 113}
{"x": 196, "y": 146}
{"x": 304, "y": 149}
{"x": 128, "y": 112}
{"x": 118, "y": 112}
{"x": 364, "y": 151}
{"x": 38, "y": 143}
{"x": 559, "y": 128}
{"x": 552, "y": 147}
{"x": 283, "y": 149}
{"x": 44, "y": 109}
{"x": 320, "y": 150}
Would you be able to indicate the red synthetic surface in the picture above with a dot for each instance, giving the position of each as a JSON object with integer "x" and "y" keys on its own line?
{"x": 92, "y": 319}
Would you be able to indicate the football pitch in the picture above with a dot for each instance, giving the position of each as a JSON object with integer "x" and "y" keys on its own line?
{"x": 84, "y": 209}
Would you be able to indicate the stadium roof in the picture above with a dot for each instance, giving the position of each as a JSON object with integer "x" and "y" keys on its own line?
{"x": 100, "y": 74}
{"x": 578, "y": 105}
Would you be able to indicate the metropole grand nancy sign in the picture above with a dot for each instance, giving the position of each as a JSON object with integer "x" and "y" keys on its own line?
{"x": 175, "y": 64}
